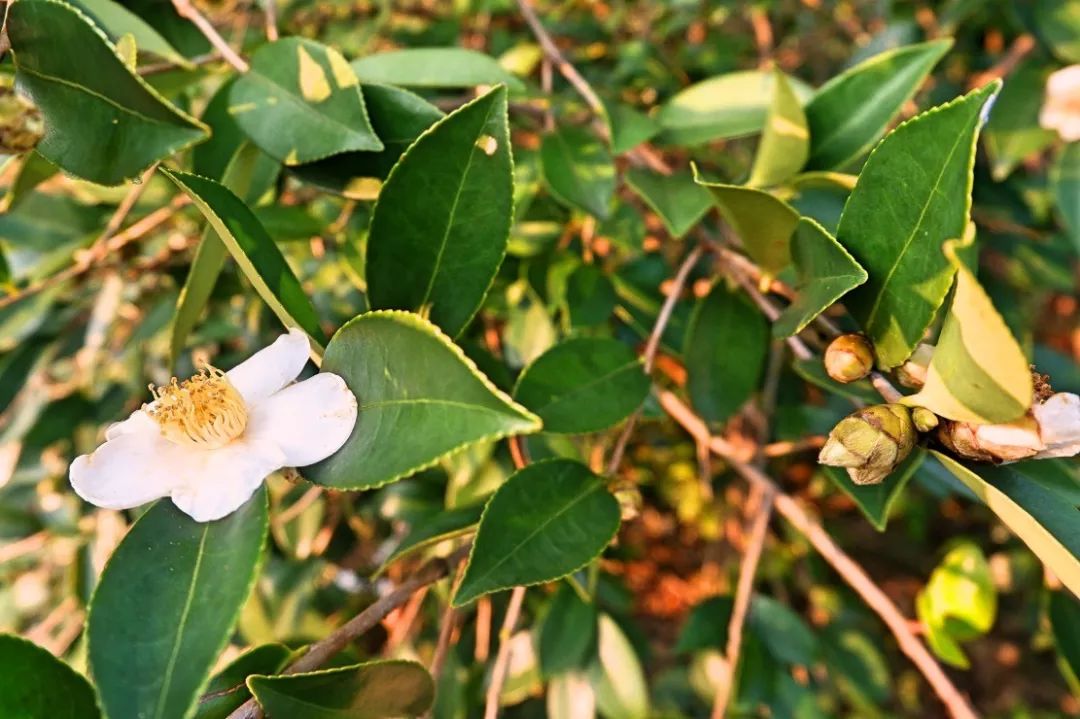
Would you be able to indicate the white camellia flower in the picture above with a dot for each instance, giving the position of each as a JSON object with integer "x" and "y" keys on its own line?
{"x": 1061, "y": 108}
{"x": 210, "y": 441}
{"x": 1051, "y": 429}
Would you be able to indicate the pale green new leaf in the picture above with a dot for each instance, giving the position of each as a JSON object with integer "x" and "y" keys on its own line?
{"x": 978, "y": 372}
{"x": 301, "y": 102}
{"x": 103, "y": 122}
{"x": 785, "y": 141}
{"x": 958, "y": 603}
{"x": 826, "y": 272}
{"x": 420, "y": 398}
{"x": 851, "y": 111}
{"x": 438, "y": 67}
{"x": 441, "y": 225}
{"x": 913, "y": 194}
{"x": 181, "y": 583}
{"x": 616, "y": 675}
{"x": 548, "y": 520}
{"x": 1037, "y": 515}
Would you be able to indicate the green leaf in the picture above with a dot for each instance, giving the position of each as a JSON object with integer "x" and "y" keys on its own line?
{"x": 1013, "y": 132}
{"x": 721, "y": 107}
{"x": 629, "y": 128}
{"x": 1065, "y": 180}
{"x": 301, "y": 102}
{"x": 785, "y": 142}
{"x": 33, "y": 170}
{"x": 546, "y": 521}
{"x": 445, "y": 525}
{"x": 258, "y": 257}
{"x": 1058, "y": 23}
{"x": 117, "y": 21}
{"x": 579, "y": 170}
{"x": 875, "y": 501}
{"x": 211, "y": 158}
{"x": 978, "y": 372}
{"x": 914, "y": 193}
{"x": 707, "y": 626}
{"x": 784, "y": 633}
{"x": 762, "y": 221}
{"x": 442, "y": 222}
{"x": 1035, "y": 514}
{"x": 228, "y": 690}
{"x": 399, "y": 117}
{"x": 616, "y": 675}
{"x": 583, "y": 385}
{"x": 249, "y": 174}
{"x": 590, "y": 296}
{"x": 958, "y": 603}
{"x": 851, "y": 111}
{"x": 813, "y": 371}
{"x": 36, "y": 685}
{"x": 1064, "y": 611}
{"x": 420, "y": 397}
{"x": 826, "y": 272}
{"x": 375, "y": 690}
{"x": 677, "y": 199}
{"x": 726, "y": 344}
{"x": 102, "y": 122}
{"x": 438, "y": 67}
{"x": 166, "y": 605}
{"x": 568, "y": 633}
{"x": 857, "y": 664}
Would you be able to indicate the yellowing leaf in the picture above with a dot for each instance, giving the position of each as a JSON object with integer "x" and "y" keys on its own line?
{"x": 314, "y": 85}
{"x": 978, "y": 372}
{"x": 785, "y": 142}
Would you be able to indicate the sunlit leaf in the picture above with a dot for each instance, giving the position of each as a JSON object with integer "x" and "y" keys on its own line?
{"x": 785, "y": 141}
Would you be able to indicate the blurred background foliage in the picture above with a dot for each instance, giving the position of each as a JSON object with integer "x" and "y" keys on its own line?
{"x": 76, "y": 355}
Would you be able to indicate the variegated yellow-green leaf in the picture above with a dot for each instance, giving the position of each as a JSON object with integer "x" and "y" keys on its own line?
{"x": 1039, "y": 516}
{"x": 785, "y": 141}
{"x": 959, "y": 602}
{"x": 978, "y": 372}
{"x": 763, "y": 222}
{"x": 913, "y": 194}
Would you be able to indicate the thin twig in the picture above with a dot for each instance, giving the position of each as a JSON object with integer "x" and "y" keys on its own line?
{"x": 502, "y": 660}
{"x": 167, "y": 65}
{"x": 322, "y": 651}
{"x": 850, "y": 571}
{"x": 652, "y": 346}
{"x": 188, "y": 11}
{"x": 24, "y": 546}
{"x": 270, "y": 16}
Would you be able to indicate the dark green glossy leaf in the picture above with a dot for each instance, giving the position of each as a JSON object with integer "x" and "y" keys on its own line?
{"x": 399, "y": 117}
{"x": 548, "y": 520}
{"x": 1064, "y": 611}
{"x": 36, "y": 685}
{"x": 568, "y": 633}
{"x": 784, "y": 633}
{"x": 439, "y": 256}
{"x": 876, "y": 500}
{"x": 103, "y": 122}
{"x": 1037, "y": 515}
{"x": 851, "y": 111}
{"x": 434, "y": 67}
{"x": 725, "y": 349}
{"x": 420, "y": 399}
{"x": 914, "y": 193}
{"x": 301, "y": 102}
{"x": 707, "y": 626}
{"x": 583, "y": 385}
{"x": 590, "y": 296}
{"x": 445, "y": 525}
{"x": 579, "y": 170}
{"x": 211, "y": 158}
{"x": 258, "y": 257}
{"x": 677, "y": 199}
{"x": 166, "y": 605}
{"x": 376, "y": 690}
{"x": 228, "y": 689}
{"x": 826, "y": 272}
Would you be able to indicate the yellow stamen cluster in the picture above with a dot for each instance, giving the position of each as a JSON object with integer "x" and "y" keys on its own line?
{"x": 205, "y": 411}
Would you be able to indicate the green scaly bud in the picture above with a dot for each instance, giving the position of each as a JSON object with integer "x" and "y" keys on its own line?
{"x": 871, "y": 442}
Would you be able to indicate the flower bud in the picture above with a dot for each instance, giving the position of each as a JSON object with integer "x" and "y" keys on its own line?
{"x": 871, "y": 442}
{"x": 923, "y": 419}
{"x": 629, "y": 499}
{"x": 848, "y": 358}
{"x": 21, "y": 126}
{"x": 912, "y": 374}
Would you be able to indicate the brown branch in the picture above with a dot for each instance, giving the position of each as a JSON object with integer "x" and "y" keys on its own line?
{"x": 322, "y": 651}
{"x": 652, "y": 346}
{"x": 270, "y": 18}
{"x": 188, "y": 11}
{"x": 502, "y": 660}
{"x": 850, "y": 571}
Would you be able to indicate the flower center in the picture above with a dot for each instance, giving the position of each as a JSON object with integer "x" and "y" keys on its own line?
{"x": 205, "y": 411}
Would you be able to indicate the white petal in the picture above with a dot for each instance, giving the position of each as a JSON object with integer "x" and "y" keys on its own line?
{"x": 271, "y": 368}
{"x": 309, "y": 421}
{"x": 129, "y": 470}
{"x": 139, "y": 421}
{"x": 1059, "y": 425}
{"x": 226, "y": 478}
